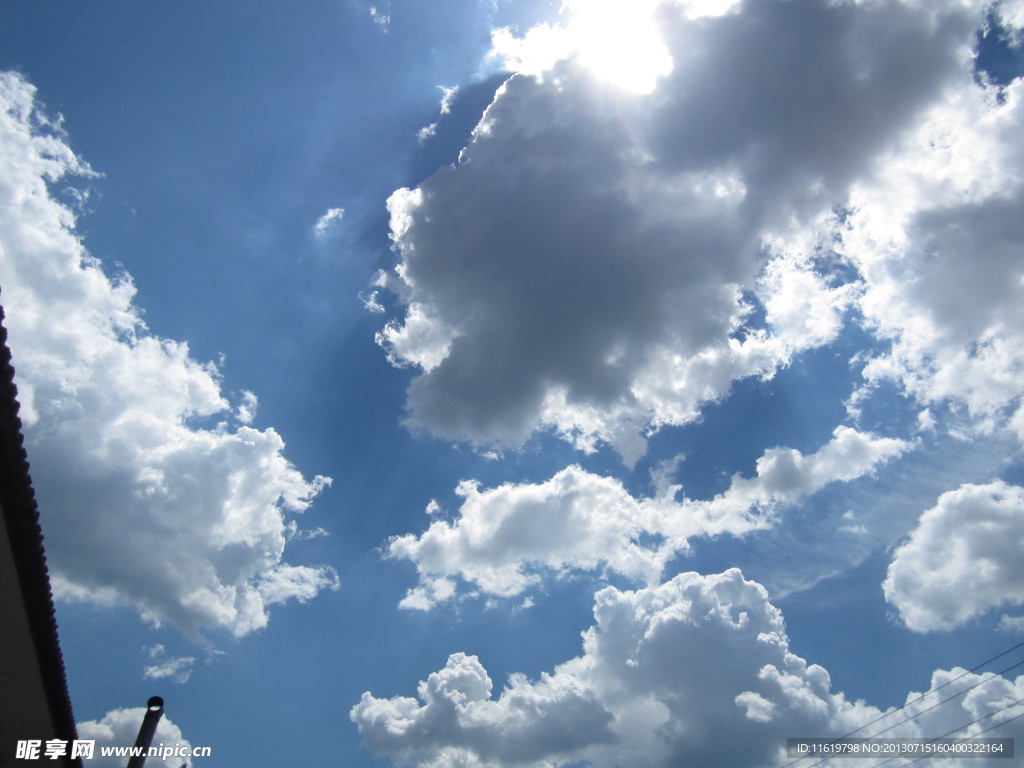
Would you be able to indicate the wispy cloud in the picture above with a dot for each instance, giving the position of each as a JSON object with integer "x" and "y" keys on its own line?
{"x": 381, "y": 17}
{"x": 176, "y": 668}
{"x": 327, "y": 223}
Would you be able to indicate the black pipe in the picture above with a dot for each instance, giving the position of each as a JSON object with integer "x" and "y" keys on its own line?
{"x": 154, "y": 711}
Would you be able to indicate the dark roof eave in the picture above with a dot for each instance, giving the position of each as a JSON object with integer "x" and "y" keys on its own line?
{"x": 21, "y": 517}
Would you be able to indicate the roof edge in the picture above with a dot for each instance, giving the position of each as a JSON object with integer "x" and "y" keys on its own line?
{"x": 21, "y": 517}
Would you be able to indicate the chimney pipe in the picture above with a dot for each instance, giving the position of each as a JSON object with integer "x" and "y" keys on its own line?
{"x": 154, "y": 711}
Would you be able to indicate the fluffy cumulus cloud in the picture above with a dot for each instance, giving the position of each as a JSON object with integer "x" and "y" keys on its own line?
{"x": 152, "y": 493}
{"x": 556, "y": 716}
{"x": 963, "y": 559}
{"x": 937, "y": 236}
{"x": 593, "y": 262}
{"x": 120, "y": 727}
{"x": 505, "y": 538}
{"x": 694, "y": 671}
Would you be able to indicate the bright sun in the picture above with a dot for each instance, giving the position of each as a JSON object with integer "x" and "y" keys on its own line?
{"x": 617, "y": 40}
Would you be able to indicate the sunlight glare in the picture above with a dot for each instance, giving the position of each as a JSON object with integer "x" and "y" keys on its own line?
{"x": 619, "y": 42}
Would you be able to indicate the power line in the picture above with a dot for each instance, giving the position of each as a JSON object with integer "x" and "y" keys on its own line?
{"x": 919, "y": 698}
{"x": 991, "y": 728}
{"x": 992, "y": 676}
{"x": 949, "y": 698}
{"x": 968, "y": 725}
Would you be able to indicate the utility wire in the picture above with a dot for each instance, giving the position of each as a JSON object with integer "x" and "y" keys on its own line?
{"x": 914, "y": 701}
{"x": 948, "y": 698}
{"x": 968, "y": 725}
{"x": 991, "y": 728}
{"x": 929, "y": 709}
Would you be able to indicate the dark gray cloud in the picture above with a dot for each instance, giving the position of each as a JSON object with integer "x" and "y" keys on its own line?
{"x": 800, "y": 95}
{"x": 582, "y": 266}
{"x": 540, "y": 254}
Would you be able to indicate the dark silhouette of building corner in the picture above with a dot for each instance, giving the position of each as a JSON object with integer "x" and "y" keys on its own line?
{"x": 34, "y": 701}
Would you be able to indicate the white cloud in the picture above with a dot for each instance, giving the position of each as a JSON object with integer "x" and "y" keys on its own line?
{"x": 176, "y": 668}
{"x": 588, "y": 264}
{"x": 502, "y": 536}
{"x": 302, "y": 582}
{"x": 617, "y": 41}
{"x": 962, "y": 560}
{"x": 381, "y": 17}
{"x": 447, "y": 97}
{"x": 536, "y": 52}
{"x": 505, "y": 538}
{"x": 294, "y": 533}
{"x": 937, "y": 237}
{"x": 246, "y": 410}
{"x": 420, "y": 340}
{"x": 1011, "y": 623}
{"x": 150, "y": 497}
{"x": 328, "y": 222}
{"x": 370, "y": 302}
{"x": 120, "y": 727}
{"x": 697, "y": 670}
{"x": 430, "y": 591}
{"x": 1011, "y": 15}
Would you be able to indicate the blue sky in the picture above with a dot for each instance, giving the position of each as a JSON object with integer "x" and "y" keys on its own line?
{"x": 506, "y": 383}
